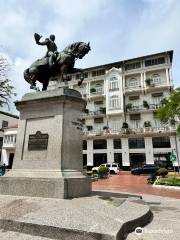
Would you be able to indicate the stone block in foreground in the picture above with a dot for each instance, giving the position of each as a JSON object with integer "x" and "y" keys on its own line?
{"x": 99, "y": 216}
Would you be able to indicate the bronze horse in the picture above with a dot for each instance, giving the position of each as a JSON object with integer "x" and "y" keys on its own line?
{"x": 64, "y": 64}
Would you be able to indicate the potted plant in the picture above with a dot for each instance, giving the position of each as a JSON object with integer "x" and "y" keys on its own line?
{"x": 129, "y": 106}
{"x": 86, "y": 111}
{"x": 163, "y": 101}
{"x": 103, "y": 110}
{"x": 89, "y": 127}
{"x": 125, "y": 125}
{"x": 147, "y": 124}
{"x": 148, "y": 81}
{"x": 145, "y": 104}
{"x": 92, "y": 90}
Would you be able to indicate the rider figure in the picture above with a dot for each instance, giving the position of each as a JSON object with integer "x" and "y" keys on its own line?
{"x": 51, "y": 47}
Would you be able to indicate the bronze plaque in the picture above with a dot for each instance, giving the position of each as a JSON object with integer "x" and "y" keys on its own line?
{"x": 38, "y": 141}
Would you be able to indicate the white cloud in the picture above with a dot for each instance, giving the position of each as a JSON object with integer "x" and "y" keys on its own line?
{"x": 116, "y": 29}
{"x": 157, "y": 28}
{"x": 64, "y": 18}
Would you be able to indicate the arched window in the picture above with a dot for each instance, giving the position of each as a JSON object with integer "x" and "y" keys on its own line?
{"x": 114, "y": 101}
{"x": 133, "y": 82}
{"x": 99, "y": 88}
{"x": 156, "y": 78}
{"x": 113, "y": 84}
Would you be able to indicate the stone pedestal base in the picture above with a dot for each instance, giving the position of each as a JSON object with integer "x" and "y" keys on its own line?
{"x": 44, "y": 184}
{"x": 48, "y": 157}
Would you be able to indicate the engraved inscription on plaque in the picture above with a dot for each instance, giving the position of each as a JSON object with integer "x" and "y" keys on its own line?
{"x": 38, "y": 141}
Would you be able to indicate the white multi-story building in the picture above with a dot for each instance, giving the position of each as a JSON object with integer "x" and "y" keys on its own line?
{"x": 119, "y": 120}
{"x": 9, "y": 144}
{"x": 6, "y": 120}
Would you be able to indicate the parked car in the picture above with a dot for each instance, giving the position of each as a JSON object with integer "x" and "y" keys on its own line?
{"x": 113, "y": 168}
{"x": 146, "y": 169}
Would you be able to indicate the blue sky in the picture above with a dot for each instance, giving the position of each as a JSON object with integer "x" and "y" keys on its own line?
{"x": 116, "y": 29}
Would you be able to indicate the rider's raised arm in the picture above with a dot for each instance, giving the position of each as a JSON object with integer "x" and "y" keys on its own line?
{"x": 45, "y": 42}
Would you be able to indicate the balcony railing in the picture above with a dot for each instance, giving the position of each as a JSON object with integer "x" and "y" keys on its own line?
{"x": 96, "y": 92}
{"x": 142, "y": 108}
{"x": 156, "y": 84}
{"x": 129, "y": 131}
{"x": 134, "y": 88}
{"x": 9, "y": 141}
{"x": 94, "y": 113}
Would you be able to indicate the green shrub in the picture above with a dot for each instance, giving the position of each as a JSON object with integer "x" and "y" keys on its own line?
{"x": 162, "y": 172}
{"x": 103, "y": 171}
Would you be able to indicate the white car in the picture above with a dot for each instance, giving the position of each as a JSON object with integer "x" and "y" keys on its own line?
{"x": 113, "y": 167}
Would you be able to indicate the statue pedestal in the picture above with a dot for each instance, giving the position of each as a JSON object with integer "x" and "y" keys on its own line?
{"x": 48, "y": 156}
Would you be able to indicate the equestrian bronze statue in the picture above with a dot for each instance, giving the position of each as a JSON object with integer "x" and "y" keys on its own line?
{"x": 55, "y": 63}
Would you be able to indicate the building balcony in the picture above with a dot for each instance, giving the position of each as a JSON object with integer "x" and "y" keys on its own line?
{"x": 94, "y": 93}
{"x": 158, "y": 86}
{"x": 135, "y": 89}
{"x": 141, "y": 108}
{"x": 9, "y": 141}
{"x": 90, "y": 114}
{"x": 129, "y": 132}
{"x": 9, "y": 145}
{"x": 156, "y": 67}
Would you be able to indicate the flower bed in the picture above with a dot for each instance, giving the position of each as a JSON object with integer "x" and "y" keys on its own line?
{"x": 168, "y": 181}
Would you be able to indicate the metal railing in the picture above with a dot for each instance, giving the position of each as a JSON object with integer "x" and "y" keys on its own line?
{"x": 99, "y": 92}
{"x": 133, "y": 88}
{"x": 129, "y": 131}
{"x": 93, "y": 113}
{"x": 142, "y": 108}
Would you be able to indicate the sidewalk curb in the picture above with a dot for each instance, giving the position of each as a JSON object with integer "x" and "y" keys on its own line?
{"x": 166, "y": 187}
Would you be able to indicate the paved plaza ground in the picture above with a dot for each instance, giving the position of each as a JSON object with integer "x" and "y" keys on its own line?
{"x": 164, "y": 203}
{"x": 126, "y": 182}
{"x": 166, "y": 220}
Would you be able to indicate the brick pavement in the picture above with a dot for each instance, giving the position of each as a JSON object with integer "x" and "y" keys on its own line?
{"x": 126, "y": 182}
